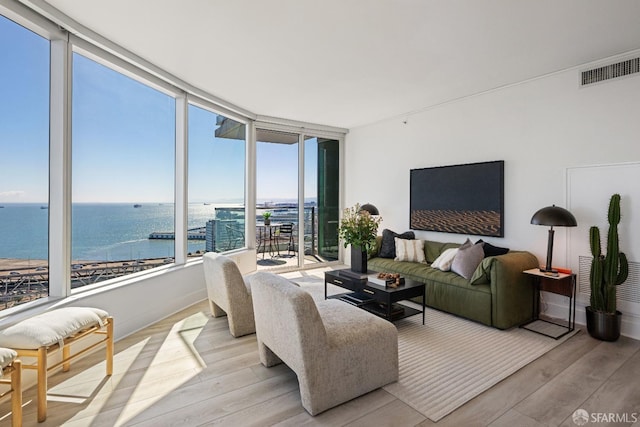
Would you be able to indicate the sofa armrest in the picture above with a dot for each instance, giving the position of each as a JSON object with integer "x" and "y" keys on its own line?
{"x": 512, "y": 292}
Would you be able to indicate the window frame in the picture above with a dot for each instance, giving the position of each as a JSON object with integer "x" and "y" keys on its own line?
{"x": 249, "y": 211}
{"x": 67, "y": 36}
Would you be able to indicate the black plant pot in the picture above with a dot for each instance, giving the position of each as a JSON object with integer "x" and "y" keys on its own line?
{"x": 603, "y": 326}
{"x": 358, "y": 259}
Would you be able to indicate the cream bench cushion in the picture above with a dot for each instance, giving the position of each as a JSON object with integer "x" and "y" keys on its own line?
{"x": 52, "y": 331}
{"x": 11, "y": 366}
{"x": 51, "y": 328}
{"x": 6, "y": 357}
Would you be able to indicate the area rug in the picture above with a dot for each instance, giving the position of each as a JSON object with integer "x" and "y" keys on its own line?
{"x": 449, "y": 360}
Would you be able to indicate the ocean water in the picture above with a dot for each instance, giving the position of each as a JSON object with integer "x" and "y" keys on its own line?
{"x": 100, "y": 232}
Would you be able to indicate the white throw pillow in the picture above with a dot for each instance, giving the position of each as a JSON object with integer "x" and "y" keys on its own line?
{"x": 409, "y": 250}
{"x": 444, "y": 261}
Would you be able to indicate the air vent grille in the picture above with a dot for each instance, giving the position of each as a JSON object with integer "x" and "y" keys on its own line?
{"x": 608, "y": 72}
{"x": 628, "y": 291}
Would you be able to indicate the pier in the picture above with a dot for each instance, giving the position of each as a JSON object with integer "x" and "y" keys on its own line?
{"x": 198, "y": 233}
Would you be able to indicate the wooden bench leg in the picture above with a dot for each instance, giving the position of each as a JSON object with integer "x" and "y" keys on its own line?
{"x": 66, "y": 352}
{"x": 110, "y": 347}
{"x": 16, "y": 394}
{"x": 42, "y": 384}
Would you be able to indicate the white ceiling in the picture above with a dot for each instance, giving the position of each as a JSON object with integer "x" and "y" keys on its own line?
{"x": 347, "y": 63}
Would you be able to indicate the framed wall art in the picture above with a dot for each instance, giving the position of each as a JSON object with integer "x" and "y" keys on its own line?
{"x": 463, "y": 199}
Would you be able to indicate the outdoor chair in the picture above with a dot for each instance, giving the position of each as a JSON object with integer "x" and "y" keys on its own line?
{"x": 338, "y": 351}
{"x": 228, "y": 293}
{"x": 284, "y": 233}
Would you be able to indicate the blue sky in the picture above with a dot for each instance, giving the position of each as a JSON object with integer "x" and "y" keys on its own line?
{"x": 123, "y": 137}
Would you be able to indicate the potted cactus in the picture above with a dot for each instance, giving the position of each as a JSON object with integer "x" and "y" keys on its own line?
{"x": 607, "y": 272}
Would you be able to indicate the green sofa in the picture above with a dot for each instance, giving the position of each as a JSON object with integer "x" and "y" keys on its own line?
{"x": 498, "y": 294}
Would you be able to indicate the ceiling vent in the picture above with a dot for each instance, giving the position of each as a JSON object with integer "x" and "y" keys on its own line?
{"x": 612, "y": 71}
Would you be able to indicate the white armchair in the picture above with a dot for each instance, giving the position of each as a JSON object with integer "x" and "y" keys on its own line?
{"x": 228, "y": 293}
{"x": 338, "y": 351}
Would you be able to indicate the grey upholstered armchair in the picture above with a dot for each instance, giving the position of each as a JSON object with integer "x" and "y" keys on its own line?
{"x": 228, "y": 293}
{"x": 338, "y": 351}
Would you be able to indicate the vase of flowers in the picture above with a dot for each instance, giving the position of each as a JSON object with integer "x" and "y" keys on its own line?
{"x": 358, "y": 228}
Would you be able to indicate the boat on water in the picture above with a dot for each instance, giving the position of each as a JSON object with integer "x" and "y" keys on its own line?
{"x": 137, "y": 206}
{"x": 44, "y": 207}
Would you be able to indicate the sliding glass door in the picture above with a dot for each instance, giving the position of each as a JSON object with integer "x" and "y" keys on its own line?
{"x": 297, "y": 187}
{"x": 277, "y": 219}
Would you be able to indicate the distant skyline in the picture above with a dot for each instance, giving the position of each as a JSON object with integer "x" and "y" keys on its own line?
{"x": 123, "y": 138}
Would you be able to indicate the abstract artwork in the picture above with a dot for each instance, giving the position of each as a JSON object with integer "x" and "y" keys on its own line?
{"x": 463, "y": 199}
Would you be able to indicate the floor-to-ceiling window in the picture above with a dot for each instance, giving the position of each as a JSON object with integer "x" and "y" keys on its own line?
{"x": 24, "y": 164}
{"x": 123, "y": 163}
{"x": 111, "y": 139}
{"x": 217, "y": 157}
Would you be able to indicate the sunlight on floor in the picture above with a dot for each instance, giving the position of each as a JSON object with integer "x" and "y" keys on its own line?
{"x": 145, "y": 372}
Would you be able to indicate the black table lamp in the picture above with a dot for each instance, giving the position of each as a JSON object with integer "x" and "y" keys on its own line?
{"x": 370, "y": 208}
{"x": 553, "y": 216}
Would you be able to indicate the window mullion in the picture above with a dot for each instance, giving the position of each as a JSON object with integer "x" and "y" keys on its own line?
{"x": 60, "y": 170}
{"x": 181, "y": 180}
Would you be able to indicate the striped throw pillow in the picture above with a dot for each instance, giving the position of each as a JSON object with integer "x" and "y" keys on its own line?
{"x": 409, "y": 250}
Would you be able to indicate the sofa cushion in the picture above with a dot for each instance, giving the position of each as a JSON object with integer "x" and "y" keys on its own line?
{"x": 432, "y": 250}
{"x": 376, "y": 248}
{"x": 409, "y": 250}
{"x": 491, "y": 250}
{"x": 467, "y": 259}
{"x": 388, "y": 245}
{"x": 482, "y": 275}
{"x": 444, "y": 261}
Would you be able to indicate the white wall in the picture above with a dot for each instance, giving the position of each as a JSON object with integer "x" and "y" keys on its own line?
{"x": 539, "y": 128}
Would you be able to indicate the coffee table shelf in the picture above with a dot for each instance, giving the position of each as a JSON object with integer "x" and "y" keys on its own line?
{"x": 382, "y": 299}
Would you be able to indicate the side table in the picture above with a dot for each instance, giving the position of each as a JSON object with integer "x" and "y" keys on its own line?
{"x": 558, "y": 283}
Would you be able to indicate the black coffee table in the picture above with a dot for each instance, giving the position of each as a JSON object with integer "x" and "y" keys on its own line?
{"x": 376, "y": 298}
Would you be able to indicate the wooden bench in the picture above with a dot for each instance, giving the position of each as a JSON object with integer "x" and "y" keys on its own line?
{"x": 11, "y": 375}
{"x": 47, "y": 333}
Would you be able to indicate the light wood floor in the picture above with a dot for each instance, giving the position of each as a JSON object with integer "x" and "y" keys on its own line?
{"x": 187, "y": 370}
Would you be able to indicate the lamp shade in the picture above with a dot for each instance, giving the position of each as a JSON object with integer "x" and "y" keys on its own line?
{"x": 554, "y": 215}
{"x": 370, "y": 208}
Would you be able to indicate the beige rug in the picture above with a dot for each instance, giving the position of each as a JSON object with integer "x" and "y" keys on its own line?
{"x": 450, "y": 360}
